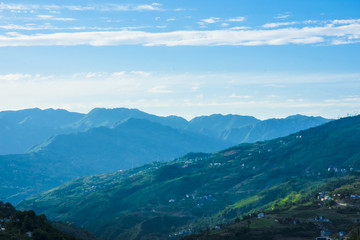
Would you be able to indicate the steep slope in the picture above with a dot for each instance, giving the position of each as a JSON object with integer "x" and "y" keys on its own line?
{"x": 159, "y": 199}
{"x": 99, "y": 150}
{"x": 20, "y": 130}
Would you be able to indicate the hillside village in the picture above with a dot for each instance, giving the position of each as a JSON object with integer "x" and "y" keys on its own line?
{"x": 331, "y": 214}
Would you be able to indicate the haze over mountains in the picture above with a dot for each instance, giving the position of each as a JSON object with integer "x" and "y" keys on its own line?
{"x": 21, "y": 130}
{"x": 197, "y": 190}
{"x": 70, "y": 145}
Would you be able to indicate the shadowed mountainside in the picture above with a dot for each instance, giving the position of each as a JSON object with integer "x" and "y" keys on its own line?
{"x": 155, "y": 200}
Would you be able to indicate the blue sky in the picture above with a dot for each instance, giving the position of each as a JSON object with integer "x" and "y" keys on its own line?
{"x": 249, "y": 57}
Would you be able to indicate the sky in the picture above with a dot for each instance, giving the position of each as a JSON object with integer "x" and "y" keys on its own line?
{"x": 267, "y": 59}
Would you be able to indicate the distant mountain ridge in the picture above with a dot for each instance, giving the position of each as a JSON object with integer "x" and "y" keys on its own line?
{"x": 107, "y": 140}
{"x": 22, "y": 130}
{"x": 158, "y": 199}
{"x": 102, "y": 117}
{"x": 130, "y": 143}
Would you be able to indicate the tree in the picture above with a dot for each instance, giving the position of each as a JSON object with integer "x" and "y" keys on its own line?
{"x": 248, "y": 223}
{"x": 355, "y": 235}
{"x": 28, "y": 224}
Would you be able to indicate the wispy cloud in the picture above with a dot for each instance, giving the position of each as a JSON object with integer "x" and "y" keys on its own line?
{"x": 94, "y": 7}
{"x": 308, "y": 22}
{"x": 279, "y": 24}
{"x": 224, "y": 23}
{"x": 240, "y": 96}
{"x": 51, "y": 17}
{"x": 148, "y": 7}
{"x": 210, "y": 20}
{"x": 49, "y": 26}
{"x": 160, "y": 89}
{"x": 282, "y": 16}
{"x": 237, "y": 19}
{"x": 13, "y": 77}
{"x": 17, "y": 6}
{"x": 29, "y": 27}
{"x": 328, "y": 34}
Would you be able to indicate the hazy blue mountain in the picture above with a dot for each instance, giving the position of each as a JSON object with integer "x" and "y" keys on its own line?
{"x": 20, "y": 130}
{"x": 133, "y": 142}
{"x": 235, "y": 129}
{"x": 129, "y": 144}
{"x": 109, "y": 117}
{"x": 214, "y": 125}
{"x": 158, "y": 199}
{"x": 271, "y": 129}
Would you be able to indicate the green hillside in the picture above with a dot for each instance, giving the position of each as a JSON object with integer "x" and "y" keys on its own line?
{"x": 329, "y": 209}
{"x": 159, "y": 199}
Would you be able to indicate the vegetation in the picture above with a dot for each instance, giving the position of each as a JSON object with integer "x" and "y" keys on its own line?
{"x": 190, "y": 193}
{"x": 307, "y": 216}
{"x": 26, "y": 225}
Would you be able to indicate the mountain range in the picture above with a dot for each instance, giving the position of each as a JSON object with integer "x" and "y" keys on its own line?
{"x": 23, "y": 129}
{"x": 62, "y": 145}
{"x": 198, "y": 190}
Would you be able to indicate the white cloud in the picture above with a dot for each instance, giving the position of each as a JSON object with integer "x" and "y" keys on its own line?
{"x": 237, "y": 19}
{"x": 345, "y": 21}
{"x": 63, "y": 19}
{"x": 51, "y": 17}
{"x": 13, "y": 6}
{"x": 282, "y": 16}
{"x": 240, "y": 28}
{"x": 14, "y": 77}
{"x": 170, "y": 19}
{"x": 328, "y": 34}
{"x": 280, "y": 24}
{"x": 210, "y": 20}
{"x": 182, "y": 94}
{"x": 94, "y": 7}
{"x": 160, "y": 89}
{"x": 46, "y": 17}
{"x": 25, "y": 27}
{"x": 240, "y": 96}
{"x": 48, "y": 26}
{"x": 148, "y": 7}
